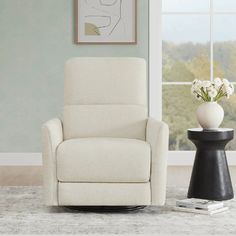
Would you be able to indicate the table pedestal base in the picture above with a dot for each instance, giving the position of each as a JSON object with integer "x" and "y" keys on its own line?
{"x": 210, "y": 176}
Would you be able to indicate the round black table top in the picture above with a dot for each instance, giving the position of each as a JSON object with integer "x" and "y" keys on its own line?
{"x": 211, "y": 134}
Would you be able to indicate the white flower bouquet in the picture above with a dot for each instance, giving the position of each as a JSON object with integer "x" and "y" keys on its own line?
{"x": 212, "y": 91}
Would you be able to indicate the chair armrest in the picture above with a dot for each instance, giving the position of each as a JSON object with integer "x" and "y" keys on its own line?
{"x": 52, "y": 136}
{"x": 157, "y": 135}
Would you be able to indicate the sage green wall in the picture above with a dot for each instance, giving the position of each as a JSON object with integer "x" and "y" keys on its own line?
{"x": 36, "y": 38}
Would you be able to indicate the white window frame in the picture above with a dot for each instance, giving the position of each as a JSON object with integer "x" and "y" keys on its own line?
{"x": 176, "y": 158}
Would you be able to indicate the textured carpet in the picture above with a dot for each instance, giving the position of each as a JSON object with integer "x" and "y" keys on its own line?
{"x": 22, "y": 212}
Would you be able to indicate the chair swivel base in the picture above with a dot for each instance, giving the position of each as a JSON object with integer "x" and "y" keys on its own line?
{"x": 101, "y": 209}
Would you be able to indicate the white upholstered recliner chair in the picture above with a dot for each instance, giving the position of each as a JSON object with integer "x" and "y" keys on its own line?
{"x": 107, "y": 152}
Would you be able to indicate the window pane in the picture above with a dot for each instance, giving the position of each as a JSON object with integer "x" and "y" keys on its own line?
{"x": 225, "y": 47}
{"x": 179, "y": 109}
{"x": 185, "y": 5}
{"x": 224, "y": 5}
{"x": 229, "y": 119}
{"x": 186, "y": 48}
{"x": 179, "y": 112}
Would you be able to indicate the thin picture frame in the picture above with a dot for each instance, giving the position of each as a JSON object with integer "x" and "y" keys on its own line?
{"x": 79, "y": 39}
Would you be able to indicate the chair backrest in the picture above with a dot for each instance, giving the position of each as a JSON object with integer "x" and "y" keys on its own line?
{"x": 105, "y": 97}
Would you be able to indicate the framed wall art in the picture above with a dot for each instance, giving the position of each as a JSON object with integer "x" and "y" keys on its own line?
{"x": 106, "y": 21}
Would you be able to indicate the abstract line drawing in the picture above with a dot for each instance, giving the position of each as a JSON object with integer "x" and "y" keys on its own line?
{"x": 108, "y": 3}
{"x": 113, "y": 11}
{"x": 107, "y": 21}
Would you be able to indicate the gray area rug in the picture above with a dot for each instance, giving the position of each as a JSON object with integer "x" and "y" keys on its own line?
{"x": 22, "y": 212}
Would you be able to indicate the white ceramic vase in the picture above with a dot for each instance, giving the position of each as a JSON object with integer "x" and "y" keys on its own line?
{"x": 210, "y": 115}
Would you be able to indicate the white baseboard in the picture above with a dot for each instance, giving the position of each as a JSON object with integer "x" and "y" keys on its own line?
{"x": 21, "y": 159}
{"x": 186, "y": 158}
{"x": 176, "y": 158}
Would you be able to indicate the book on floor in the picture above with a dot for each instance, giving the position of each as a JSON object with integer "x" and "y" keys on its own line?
{"x": 200, "y": 206}
{"x": 198, "y": 211}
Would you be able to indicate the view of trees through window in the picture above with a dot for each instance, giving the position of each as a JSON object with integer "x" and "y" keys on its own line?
{"x": 187, "y": 33}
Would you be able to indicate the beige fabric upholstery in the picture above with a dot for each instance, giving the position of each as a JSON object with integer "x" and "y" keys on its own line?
{"x": 52, "y": 136}
{"x": 100, "y": 81}
{"x": 119, "y": 194}
{"x": 103, "y": 160}
{"x": 108, "y": 152}
{"x": 105, "y": 97}
{"x": 158, "y": 137}
{"x": 105, "y": 121}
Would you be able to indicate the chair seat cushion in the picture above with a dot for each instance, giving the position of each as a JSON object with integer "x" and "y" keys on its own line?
{"x": 103, "y": 160}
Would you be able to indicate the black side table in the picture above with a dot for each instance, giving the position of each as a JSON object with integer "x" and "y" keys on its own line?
{"x": 210, "y": 175}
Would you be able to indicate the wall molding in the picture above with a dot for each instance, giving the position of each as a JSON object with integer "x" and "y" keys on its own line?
{"x": 186, "y": 158}
{"x": 176, "y": 158}
{"x": 21, "y": 159}
{"x": 155, "y": 59}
